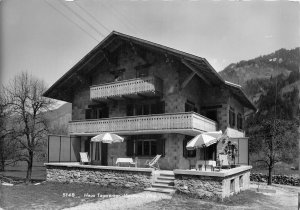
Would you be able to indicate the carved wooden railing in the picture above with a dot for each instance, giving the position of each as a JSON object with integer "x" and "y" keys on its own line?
{"x": 149, "y": 84}
{"x": 171, "y": 122}
{"x": 233, "y": 133}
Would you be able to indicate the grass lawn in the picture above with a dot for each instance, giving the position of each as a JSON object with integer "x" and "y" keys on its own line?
{"x": 183, "y": 202}
{"x": 55, "y": 195}
{"x": 20, "y": 170}
{"x": 279, "y": 169}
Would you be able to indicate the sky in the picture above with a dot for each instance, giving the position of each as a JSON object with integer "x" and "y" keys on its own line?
{"x": 47, "y": 38}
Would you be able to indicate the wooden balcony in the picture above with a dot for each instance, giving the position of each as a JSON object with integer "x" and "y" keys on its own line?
{"x": 188, "y": 123}
{"x": 133, "y": 88}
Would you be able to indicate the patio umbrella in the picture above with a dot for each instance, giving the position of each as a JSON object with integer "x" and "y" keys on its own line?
{"x": 204, "y": 140}
{"x": 107, "y": 138}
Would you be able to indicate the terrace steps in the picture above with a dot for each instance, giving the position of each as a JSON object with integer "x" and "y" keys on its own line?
{"x": 164, "y": 183}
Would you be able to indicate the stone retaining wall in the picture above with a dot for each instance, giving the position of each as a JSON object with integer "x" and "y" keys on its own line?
{"x": 276, "y": 179}
{"x": 199, "y": 186}
{"x": 101, "y": 176}
{"x": 213, "y": 185}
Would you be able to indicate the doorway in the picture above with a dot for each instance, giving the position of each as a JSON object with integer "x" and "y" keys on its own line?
{"x": 104, "y": 147}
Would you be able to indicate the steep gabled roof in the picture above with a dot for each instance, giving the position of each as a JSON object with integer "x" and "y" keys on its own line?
{"x": 200, "y": 65}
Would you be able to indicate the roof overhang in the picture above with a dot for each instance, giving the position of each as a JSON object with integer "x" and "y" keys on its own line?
{"x": 241, "y": 96}
{"x": 200, "y": 65}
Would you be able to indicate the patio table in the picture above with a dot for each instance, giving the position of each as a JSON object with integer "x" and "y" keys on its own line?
{"x": 210, "y": 163}
{"x": 125, "y": 161}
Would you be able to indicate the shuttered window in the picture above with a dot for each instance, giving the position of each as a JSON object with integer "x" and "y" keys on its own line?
{"x": 145, "y": 109}
{"x": 239, "y": 121}
{"x": 231, "y": 117}
{"x": 188, "y": 153}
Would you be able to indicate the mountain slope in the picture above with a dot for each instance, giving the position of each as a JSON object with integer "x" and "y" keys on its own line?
{"x": 282, "y": 62}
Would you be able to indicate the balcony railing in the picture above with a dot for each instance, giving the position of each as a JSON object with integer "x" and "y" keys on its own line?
{"x": 188, "y": 123}
{"x": 233, "y": 133}
{"x": 148, "y": 86}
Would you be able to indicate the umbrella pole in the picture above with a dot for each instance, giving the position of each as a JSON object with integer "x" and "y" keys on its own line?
{"x": 205, "y": 157}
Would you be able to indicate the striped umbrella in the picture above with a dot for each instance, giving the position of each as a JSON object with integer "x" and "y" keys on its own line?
{"x": 107, "y": 138}
{"x": 204, "y": 140}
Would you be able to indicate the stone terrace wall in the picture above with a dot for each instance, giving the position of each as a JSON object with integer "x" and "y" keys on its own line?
{"x": 103, "y": 177}
{"x": 212, "y": 185}
{"x": 199, "y": 186}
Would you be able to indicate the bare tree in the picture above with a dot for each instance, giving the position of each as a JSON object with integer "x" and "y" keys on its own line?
{"x": 8, "y": 149}
{"x": 275, "y": 140}
{"x": 27, "y": 107}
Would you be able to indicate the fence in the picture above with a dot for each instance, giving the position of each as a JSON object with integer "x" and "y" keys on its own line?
{"x": 63, "y": 148}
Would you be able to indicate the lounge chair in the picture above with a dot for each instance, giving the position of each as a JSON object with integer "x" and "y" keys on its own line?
{"x": 154, "y": 162}
{"x": 224, "y": 161}
{"x": 84, "y": 158}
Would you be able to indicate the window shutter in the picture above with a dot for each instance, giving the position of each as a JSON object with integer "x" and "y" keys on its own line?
{"x": 129, "y": 110}
{"x": 130, "y": 147}
{"x": 88, "y": 114}
{"x": 184, "y": 150}
{"x": 161, "y": 107}
{"x": 161, "y": 147}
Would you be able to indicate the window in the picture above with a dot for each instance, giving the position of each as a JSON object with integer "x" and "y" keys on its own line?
{"x": 145, "y": 109}
{"x": 188, "y": 153}
{"x": 190, "y": 107}
{"x": 88, "y": 114}
{"x": 97, "y": 112}
{"x": 241, "y": 182}
{"x": 232, "y": 183}
{"x": 239, "y": 121}
{"x": 212, "y": 114}
{"x": 142, "y": 70}
{"x": 231, "y": 117}
{"x": 145, "y": 145}
{"x": 119, "y": 75}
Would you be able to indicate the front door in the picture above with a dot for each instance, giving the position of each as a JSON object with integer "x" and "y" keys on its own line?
{"x": 104, "y": 154}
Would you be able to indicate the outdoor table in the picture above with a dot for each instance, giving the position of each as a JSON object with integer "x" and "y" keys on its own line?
{"x": 125, "y": 160}
{"x": 210, "y": 163}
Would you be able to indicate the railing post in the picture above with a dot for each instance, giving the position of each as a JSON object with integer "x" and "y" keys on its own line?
{"x": 59, "y": 148}
{"x": 70, "y": 148}
{"x": 48, "y": 148}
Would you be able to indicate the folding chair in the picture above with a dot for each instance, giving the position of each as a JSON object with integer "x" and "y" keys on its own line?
{"x": 154, "y": 162}
{"x": 84, "y": 158}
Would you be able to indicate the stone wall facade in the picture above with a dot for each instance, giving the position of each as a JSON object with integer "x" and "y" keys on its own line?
{"x": 175, "y": 95}
{"x": 103, "y": 177}
{"x": 211, "y": 185}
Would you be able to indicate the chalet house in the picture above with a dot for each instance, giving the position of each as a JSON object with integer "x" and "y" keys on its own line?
{"x": 157, "y": 97}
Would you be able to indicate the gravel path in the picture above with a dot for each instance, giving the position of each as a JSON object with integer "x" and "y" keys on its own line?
{"x": 124, "y": 202}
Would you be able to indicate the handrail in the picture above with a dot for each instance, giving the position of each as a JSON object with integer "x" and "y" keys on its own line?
{"x": 138, "y": 116}
{"x": 123, "y": 81}
{"x": 172, "y": 121}
{"x": 151, "y": 84}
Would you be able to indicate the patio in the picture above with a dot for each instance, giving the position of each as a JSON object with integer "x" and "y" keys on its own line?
{"x": 211, "y": 184}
